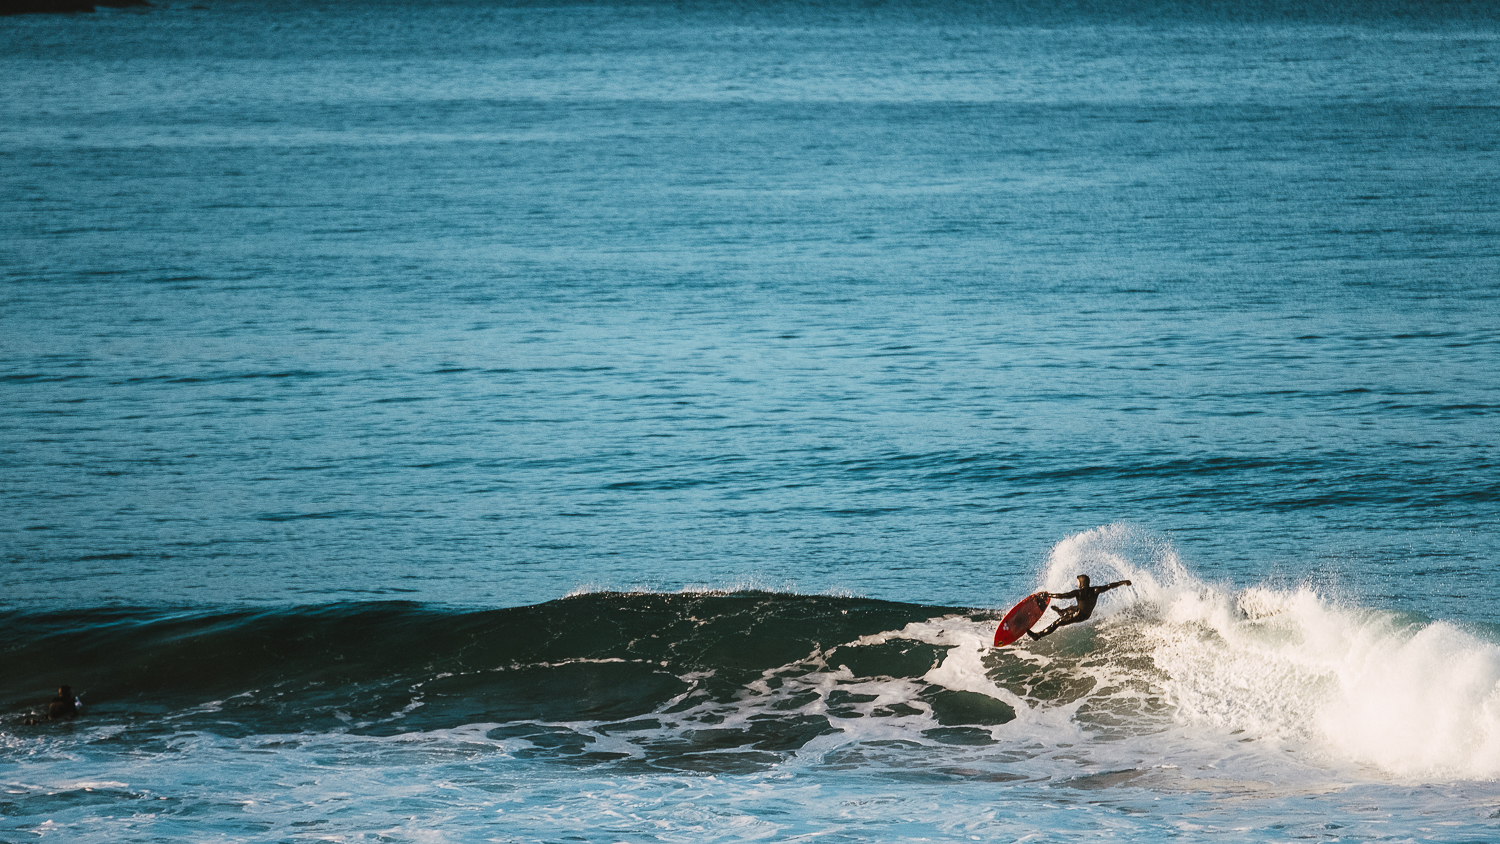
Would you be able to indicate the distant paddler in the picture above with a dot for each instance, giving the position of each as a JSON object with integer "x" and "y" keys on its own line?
{"x": 64, "y": 707}
{"x": 1086, "y": 596}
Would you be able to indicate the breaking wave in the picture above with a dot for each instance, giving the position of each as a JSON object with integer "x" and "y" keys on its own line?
{"x": 1173, "y": 670}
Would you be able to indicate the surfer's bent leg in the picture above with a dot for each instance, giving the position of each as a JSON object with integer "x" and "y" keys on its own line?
{"x": 1066, "y": 615}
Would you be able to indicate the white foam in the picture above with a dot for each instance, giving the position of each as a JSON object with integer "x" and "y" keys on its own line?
{"x": 1116, "y": 552}
{"x": 1293, "y": 668}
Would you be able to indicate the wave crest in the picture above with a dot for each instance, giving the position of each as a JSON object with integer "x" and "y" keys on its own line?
{"x": 1173, "y": 668}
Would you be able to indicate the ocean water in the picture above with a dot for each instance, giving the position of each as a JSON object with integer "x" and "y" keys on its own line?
{"x": 627, "y": 422}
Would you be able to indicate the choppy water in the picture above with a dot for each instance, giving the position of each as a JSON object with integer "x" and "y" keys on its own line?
{"x": 626, "y": 423}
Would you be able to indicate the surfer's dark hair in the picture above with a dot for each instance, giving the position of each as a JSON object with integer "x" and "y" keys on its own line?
{"x": 1084, "y": 578}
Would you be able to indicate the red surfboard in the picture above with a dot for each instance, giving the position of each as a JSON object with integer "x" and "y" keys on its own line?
{"x": 1020, "y": 618}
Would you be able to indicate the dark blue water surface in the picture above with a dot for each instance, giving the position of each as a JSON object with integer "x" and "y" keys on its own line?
{"x": 486, "y": 304}
{"x": 478, "y": 306}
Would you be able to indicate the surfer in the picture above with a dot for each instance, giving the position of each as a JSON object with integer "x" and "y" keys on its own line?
{"x": 1086, "y": 596}
{"x": 62, "y": 707}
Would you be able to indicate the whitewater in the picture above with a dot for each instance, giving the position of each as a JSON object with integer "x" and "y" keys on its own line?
{"x": 546, "y": 421}
{"x": 670, "y": 721}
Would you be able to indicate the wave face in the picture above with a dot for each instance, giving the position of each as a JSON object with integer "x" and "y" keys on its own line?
{"x": 749, "y": 680}
{"x": 740, "y": 672}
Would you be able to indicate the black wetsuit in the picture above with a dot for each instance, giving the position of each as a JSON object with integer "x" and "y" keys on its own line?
{"x": 64, "y": 705}
{"x": 1087, "y": 598}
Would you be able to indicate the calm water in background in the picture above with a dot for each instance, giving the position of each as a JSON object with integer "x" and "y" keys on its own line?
{"x": 478, "y": 307}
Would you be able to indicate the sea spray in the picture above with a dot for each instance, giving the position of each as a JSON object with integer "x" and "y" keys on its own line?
{"x": 1292, "y": 668}
{"x": 1288, "y": 667}
{"x": 1422, "y": 703}
{"x": 1416, "y": 700}
{"x": 1116, "y": 551}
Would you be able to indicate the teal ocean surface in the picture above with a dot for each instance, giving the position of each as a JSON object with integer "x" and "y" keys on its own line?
{"x": 628, "y": 422}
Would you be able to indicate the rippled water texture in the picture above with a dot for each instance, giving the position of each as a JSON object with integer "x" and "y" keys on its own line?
{"x": 488, "y": 304}
{"x": 358, "y": 326}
